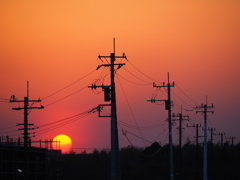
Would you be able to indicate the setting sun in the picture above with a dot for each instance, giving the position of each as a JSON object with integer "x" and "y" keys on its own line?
{"x": 65, "y": 143}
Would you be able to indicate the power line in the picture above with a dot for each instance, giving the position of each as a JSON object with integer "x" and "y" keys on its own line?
{"x": 64, "y": 121}
{"x": 68, "y": 85}
{"x": 130, "y": 109}
{"x": 137, "y": 77}
{"x": 186, "y": 94}
{"x": 142, "y": 72}
{"x": 65, "y": 96}
{"x": 7, "y": 128}
{"x": 133, "y": 82}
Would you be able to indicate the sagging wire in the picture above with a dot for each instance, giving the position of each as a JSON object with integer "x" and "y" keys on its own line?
{"x": 132, "y": 126}
{"x": 68, "y": 85}
{"x": 7, "y": 128}
{"x": 186, "y": 94}
{"x": 66, "y": 96}
{"x": 64, "y": 121}
{"x": 137, "y": 77}
{"x": 133, "y": 82}
{"x": 143, "y": 73}
{"x": 130, "y": 109}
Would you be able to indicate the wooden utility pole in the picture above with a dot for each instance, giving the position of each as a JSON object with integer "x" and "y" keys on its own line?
{"x": 168, "y": 106}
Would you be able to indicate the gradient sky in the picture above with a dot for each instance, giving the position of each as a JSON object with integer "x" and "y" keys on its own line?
{"x": 52, "y": 44}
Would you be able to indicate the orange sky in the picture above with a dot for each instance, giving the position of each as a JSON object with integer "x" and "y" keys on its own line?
{"x": 54, "y": 43}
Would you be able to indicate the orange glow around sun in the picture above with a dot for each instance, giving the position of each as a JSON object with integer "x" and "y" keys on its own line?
{"x": 65, "y": 143}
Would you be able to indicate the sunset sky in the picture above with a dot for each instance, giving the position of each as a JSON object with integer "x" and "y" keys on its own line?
{"x": 55, "y": 44}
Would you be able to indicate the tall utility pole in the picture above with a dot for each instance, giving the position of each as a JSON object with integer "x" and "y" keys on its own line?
{"x": 26, "y": 128}
{"x": 180, "y": 118}
{"x": 168, "y": 106}
{"x": 197, "y": 147}
{"x": 110, "y": 95}
{"x": 205, "y": 108}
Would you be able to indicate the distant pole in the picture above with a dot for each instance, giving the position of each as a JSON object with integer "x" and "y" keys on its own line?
{"x": 232, "y": 140}
{"x": 211, "y": 152}
{"x": 181, "y": 118}
{"x": 168, "y": 107}
{"x": 205, "y": 108}
{"x": 197, "y": 146}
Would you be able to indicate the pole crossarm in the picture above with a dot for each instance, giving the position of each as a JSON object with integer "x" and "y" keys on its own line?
{"x": 154, "y": 100}
{"x": 164, "y": 85}
{"x": 100, "y": 107}
{"x": 20, "y": 108}
{"x": 123, "y": 56}
{"x": 94, "y": 86}
{"x": 119, "y": 65}
{"x": 23, "y": 100}
{"x": 180, "y": 116}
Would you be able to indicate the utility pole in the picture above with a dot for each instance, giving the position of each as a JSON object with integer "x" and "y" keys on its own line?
{"x": 25, "y": 124}
{"x": 232, "y": 138}
{"x": 221, "y": 134}
{"x": 168, "y": 106}
{"x": 197, "y": 146}
{"x": 110, "y": 95}
{"x": 211, "y": 152}
{"x": 205, "y": 108}
{"x": 180, "y": 118}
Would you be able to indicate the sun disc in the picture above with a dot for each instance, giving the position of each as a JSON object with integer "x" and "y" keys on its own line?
{"x": 65, "y": 143}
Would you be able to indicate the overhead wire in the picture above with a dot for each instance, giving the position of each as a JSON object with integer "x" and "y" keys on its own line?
{"x": 133, "y": 82}
{"x": 68, "y": 85}
{"x": 133, "y": 126}
{"x": 142, "y": 72}
{"x": 66, "y": 96}
{"x": 7, "y": 128}
{"x": 64, "y": 121}
{"x": 137, "y": 77}
{"x": 186, "y": 94}
{"x": 130, "y": 109}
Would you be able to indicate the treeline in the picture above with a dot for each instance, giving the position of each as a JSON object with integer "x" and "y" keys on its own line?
{"x": 153, "y": 163}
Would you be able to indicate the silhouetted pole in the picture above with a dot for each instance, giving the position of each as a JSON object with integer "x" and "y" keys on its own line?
{"x": 25, "y": 129}
{"x": 205, "y": 108}
{"x": 232, "y": 140}
{"x": 197, "y": 146}
{"x": 114, "y": 130}
{"x": 180, "y": 139}
{"x": 168, "y": 107}
{"x": 211, "y": 152}
{"x": 115, "y": 163}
